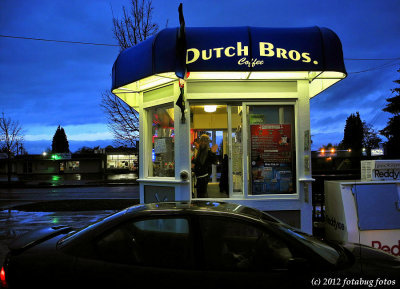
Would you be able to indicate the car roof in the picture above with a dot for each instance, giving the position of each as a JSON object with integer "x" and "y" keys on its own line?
{"x": 196, "y": 207}
{"x": 203, "y": 206}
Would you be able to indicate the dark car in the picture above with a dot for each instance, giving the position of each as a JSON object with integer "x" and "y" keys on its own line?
{"x": 190, "y": 245}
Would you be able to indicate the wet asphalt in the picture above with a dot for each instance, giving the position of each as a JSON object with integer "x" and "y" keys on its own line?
{"x": 16, "y": 222}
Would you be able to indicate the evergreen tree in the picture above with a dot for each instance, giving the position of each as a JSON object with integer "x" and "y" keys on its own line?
{"x": 60, "y": 143}
{"x": 392, "y": 130}
{"x": 353, "y": 134}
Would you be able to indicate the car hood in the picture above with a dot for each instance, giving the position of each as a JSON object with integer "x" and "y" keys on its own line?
{"x": 35, "y": 237}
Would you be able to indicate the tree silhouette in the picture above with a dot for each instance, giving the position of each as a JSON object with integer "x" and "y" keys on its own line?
{"x": 60, "y": 143}
{"x": 135, "y": 26}
{"x": 85, "y": 150}
{"x": 10, "y": 138}
{"x": 371, "y": 139}
{"x": 353, "y": 134}
{"x": 392, "y": 130}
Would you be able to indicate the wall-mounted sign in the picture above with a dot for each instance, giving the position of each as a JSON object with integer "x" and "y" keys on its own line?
{"x": 380, "y": 170}
{"x": 256, "y": 118}
{"x": 376, "y": 152}
{"x": 307, "y": 140}
{"x": 241, "y": 51}
{"x": 271, "y": 158}
{"x": 61, "y": 156}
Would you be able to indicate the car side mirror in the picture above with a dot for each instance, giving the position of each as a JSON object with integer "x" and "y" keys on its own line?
{"x": 298, "y": 264}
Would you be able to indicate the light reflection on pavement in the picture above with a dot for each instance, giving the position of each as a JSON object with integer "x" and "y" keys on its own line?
{"x": 14, "y": 223}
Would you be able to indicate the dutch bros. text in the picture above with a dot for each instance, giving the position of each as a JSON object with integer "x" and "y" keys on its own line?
{"x": 266, "y": 49}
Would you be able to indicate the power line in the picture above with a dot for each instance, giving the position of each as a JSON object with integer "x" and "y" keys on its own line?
{"x": 386, "y": 65}
{"x": 396, "y": 58}
{"x": 115, "y": 45}
{"x": 60, "y": 41}
{"x": 380, "y": 111}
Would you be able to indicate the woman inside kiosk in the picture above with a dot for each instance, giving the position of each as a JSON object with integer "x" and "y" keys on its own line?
{"x": 202, "y": 164}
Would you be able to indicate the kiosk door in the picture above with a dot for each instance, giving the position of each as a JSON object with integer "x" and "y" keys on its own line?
{"x": 222, "y": 124}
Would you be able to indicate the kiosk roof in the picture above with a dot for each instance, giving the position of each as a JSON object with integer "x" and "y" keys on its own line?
{"x": 232, "y": 53}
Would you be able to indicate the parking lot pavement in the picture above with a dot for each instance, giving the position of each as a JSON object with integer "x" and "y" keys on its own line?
{"x": 74, "y": 206}
{"x": 17, "y": 196}
{"x": 59, "y": 193}
{"x": 14, "y": 223}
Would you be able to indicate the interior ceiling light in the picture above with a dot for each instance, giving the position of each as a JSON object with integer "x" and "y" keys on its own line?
{"x": 210, "y": 108}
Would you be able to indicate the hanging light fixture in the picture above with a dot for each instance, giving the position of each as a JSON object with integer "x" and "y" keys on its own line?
{"x": 210, "y": 108}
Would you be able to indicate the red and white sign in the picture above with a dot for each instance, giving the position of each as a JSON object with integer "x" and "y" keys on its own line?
{"x": 385, "y": 240}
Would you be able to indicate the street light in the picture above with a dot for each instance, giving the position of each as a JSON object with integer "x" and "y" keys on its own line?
{"x": 44, "y": 154}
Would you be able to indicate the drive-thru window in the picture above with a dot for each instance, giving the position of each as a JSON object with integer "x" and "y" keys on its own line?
{"x": 247, "y": 89}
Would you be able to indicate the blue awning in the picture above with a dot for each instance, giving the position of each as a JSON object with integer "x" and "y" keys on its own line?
{"x": 315, "y": 50}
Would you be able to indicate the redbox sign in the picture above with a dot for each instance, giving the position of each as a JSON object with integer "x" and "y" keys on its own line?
{"x": 394, "y": 250}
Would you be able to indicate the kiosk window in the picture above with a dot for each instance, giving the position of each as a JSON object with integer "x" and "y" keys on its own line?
{"x": 162, "y": 140}
{"x": 271, "y": 147}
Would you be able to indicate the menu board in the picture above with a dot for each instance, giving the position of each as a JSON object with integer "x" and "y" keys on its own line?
{"x": 271, "y": 158}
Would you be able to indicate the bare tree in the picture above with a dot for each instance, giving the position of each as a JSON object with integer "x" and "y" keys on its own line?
{"x": 123, "y": 120}
{"x": 135, "y": 26}
{"x": 10, "y": 138}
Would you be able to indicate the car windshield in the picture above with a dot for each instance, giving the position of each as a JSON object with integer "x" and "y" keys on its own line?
{"x": 73, "y": 234}
{"x": 76, "y": 233}
{"x": 327, "y": 252}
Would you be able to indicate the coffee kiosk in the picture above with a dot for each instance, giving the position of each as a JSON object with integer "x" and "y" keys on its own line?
{"x": 249, "y": 90}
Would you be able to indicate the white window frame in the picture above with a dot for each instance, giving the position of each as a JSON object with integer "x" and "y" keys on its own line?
{"x": 246, "y": 156}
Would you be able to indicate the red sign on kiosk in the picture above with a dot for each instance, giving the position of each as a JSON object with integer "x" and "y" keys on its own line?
{"x": 271, "y": 158}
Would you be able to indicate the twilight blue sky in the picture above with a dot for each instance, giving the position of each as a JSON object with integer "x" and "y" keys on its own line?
{"x": 43, "y": 84}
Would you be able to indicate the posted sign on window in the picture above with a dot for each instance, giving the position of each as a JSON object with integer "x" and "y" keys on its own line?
{"x": 271, "y": 158}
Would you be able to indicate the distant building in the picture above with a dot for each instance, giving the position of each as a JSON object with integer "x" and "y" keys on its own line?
{"x": 109, "y": 160}
{"x": 118, "y": 159}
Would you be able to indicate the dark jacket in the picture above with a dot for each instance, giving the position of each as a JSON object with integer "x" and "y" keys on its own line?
{"x": 202, "y": 169}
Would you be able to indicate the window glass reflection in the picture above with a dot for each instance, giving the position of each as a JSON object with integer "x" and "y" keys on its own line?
{"x": 162, "y": 138}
